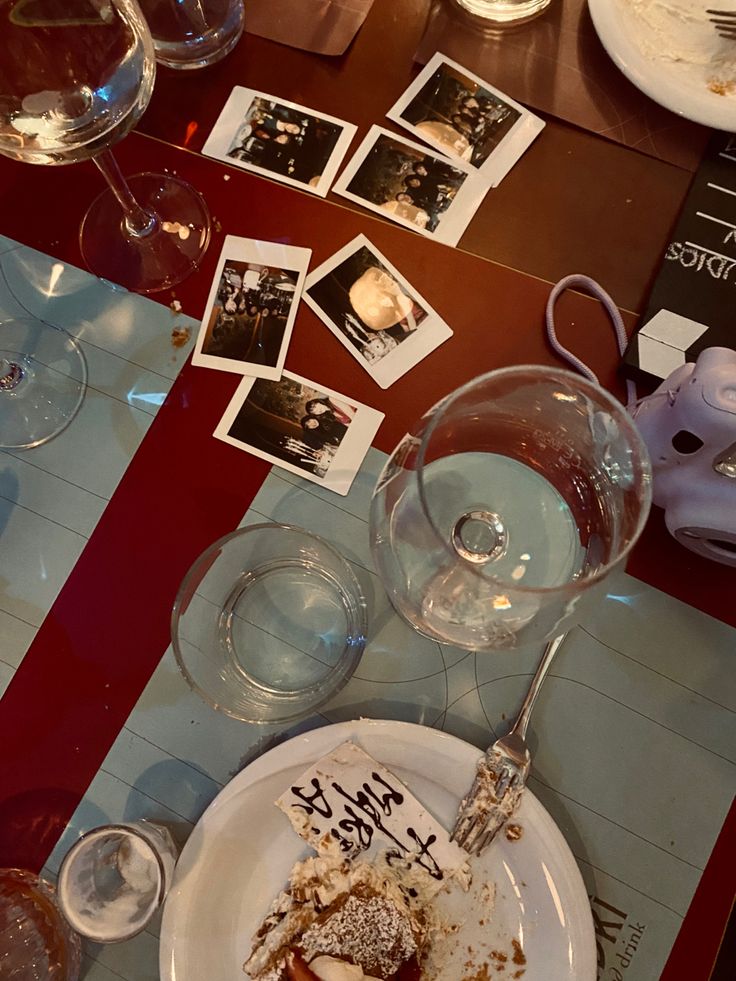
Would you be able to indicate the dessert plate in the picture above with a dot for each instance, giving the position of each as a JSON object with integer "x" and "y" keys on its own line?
{"x": 240, "y": 853}
{"x": 679, "y": 85}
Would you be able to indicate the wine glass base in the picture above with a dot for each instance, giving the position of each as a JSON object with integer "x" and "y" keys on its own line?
{"x": 43, "y": 377}
{"x": 159, "y": 259}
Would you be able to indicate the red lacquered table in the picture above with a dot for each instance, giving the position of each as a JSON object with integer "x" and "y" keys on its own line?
{"x": 543, "y": 222}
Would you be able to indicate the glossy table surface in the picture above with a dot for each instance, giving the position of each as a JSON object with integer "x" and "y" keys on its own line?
{"x": 576, "y": 202}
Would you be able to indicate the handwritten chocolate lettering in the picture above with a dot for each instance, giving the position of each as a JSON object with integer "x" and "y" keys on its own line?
{"x": 364, "y": 803}
{"x": 421, "y": 856}
{"x": 346, "y": 844}
{"x": 355, "y": 823}
{"x": 317, "y": 802}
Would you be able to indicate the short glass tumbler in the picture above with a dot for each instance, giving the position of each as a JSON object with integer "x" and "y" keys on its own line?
{"x": 114, "y": 878}
{"x": 504, "y": 11}
{"x": 506, "y": 504}
{"x": 193, "y": 33}
{"x": 269, "y": 623}
{"x": 36, "y": 942}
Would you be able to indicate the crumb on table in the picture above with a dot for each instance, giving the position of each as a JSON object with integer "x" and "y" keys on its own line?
{"x": 180, "y": 336}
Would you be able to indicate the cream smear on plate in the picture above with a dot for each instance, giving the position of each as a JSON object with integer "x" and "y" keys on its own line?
{"x": 680, "y": 32}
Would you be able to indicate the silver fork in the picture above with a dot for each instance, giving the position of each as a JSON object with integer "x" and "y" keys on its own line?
{"x": 725, "y": 22}
{"x": 501, "y": 774}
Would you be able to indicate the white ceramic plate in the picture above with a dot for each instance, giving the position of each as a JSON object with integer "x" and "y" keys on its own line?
{"x": 241, "y": 852}
{"x": 677, "y": 86}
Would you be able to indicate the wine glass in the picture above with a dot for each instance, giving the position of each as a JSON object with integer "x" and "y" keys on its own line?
{"x": 43, "y": 376}
{"x": 507, "y": 504}
{"x": 73, "y": 81}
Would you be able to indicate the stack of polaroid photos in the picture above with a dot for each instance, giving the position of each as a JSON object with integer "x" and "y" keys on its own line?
{"x": 362, "y": 298}
{"x": 478, "y": 132}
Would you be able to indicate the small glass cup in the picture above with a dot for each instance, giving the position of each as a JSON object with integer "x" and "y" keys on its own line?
{"x": 504, "y": 11}
{"x": 114, "y": 878}
{"x": 269, "y": 623}
{"x": 36, "y": 942}
{"x": 193, "y": 33}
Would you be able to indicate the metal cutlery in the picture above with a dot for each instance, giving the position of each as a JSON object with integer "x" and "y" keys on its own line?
{"x": 501, "y": 774}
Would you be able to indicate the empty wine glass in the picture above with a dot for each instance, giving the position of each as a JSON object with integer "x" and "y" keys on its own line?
{"x": 73, "y": 81}
{"x": 43, "y": 376}
{"x": 507, "y": 504}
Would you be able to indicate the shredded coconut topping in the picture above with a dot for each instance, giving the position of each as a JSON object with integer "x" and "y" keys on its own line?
{"x": 371, "y": 932}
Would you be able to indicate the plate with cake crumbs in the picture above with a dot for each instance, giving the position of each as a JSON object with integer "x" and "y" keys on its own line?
{"x": 671, "y": 51}
{"x": 328, "y": 859}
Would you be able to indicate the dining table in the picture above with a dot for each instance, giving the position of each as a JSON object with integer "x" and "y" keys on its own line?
{"x": 634, "y": 734}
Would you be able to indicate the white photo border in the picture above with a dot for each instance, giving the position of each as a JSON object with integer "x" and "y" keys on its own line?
{"x": 428, "y": 336}
{"x": 232, "y": 117}
{"x": 350, "y": 453}
{"x": 518, "y": 139}
{"x": 237, "y": 249}
{"x": 453, "y": 222}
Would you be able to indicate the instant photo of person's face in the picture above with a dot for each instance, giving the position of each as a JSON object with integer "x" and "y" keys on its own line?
{"x": 371, "y": 308}
{"x": 366, "y": 302}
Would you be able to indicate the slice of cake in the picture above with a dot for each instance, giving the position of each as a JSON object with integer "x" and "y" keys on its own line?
{"x": 364, "y": 906}
{"x": 343, "y": 920}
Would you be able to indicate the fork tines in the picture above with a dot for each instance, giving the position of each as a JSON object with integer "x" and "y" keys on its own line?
{"x": 724, "y": 22}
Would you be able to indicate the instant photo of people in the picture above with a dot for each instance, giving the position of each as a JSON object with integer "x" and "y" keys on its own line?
{"x": 373, "y": 310}
{"x": 252, "y": 306}
{"x": 301, "y": 426}
{"x": 412, "y": 185}
{"x": 466, "y": 118}
{"x": 280, "y": 139}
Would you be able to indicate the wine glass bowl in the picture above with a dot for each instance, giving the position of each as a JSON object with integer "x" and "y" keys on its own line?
{"x": 71, "y": 86}
{"x": 506, "y": 505}
{"x": 74, "y": 81}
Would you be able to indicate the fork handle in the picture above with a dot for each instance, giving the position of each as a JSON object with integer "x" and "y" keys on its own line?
{"x": 522, "y": 719}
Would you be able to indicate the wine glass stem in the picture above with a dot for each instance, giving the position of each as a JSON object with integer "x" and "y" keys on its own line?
{"x": 138, "y": 222}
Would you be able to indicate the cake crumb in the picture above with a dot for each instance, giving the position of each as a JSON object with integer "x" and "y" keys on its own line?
{"x": 519, "y": 956}
{"x": 180, "y": 336}
{"x": 513, "y": 832}
{"x": 719, "y": 87}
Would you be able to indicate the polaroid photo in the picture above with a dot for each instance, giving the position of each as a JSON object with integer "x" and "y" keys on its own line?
{"x": 466, "y": 118}
{"x": 280, "y": 139}
{"x": 301, "y": 426}
{"x": 412, "y": 186}
{"x": 251, "y": 308}
{"x": 372, "y": 309}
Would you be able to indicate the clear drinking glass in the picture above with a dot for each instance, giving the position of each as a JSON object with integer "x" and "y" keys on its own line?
{"x": 269, "y": 623}
{"x": 506, "y": 504}
{"x": 73, "y": 81}
{"x": 36, "y": 942}
{"x": 114, "y": 878}
{"x": 193, "y": 33}
{"x": 504, "y": 11}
